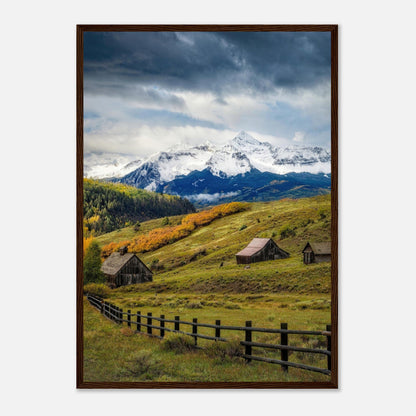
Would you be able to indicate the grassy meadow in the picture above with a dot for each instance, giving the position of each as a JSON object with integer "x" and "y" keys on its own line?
{"x": 197, "y": 277}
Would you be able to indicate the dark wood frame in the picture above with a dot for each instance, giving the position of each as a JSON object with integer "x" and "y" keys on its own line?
{"x": 333, "y": 29}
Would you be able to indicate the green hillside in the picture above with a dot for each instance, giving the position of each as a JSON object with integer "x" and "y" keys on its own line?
{"x": 110, "y": 206}
{"x": 204, "y": 262}
{"x": 197, "y": 277}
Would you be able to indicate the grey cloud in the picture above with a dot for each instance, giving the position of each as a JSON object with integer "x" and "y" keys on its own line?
{"x": 135, "y": 92}
{"x": 208, "y": 61}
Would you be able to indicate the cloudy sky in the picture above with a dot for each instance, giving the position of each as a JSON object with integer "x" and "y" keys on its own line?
{"x": 146, "y": 91}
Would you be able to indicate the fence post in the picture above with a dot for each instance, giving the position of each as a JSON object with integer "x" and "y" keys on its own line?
{"x": 284, "y": 354}
{"x": 248, "y": 339}
{"x": 114, "y": 313}
{"x": 102, "y": 307}
{"x": 162, "y": 326}
{"x": 217, "y": 330}
{"x": 195, "y": 329}
{"x": 138, "y": 320}
{"x": 328, "y": 346}
{"x": 128, "y": 318}
{"x": 149, "y": 322}
{"x": 121, "y": 316}
{"x": 177, "y": 323}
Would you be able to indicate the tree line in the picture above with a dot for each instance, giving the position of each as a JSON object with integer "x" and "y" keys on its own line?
{"x": 109, "y": 206}
{"x": 160, "y": 237}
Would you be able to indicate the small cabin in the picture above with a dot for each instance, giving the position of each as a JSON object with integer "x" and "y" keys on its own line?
{"x": 317, "y": 252}
{"x": 261, "y": 249}
{"x": 123, "y": 268}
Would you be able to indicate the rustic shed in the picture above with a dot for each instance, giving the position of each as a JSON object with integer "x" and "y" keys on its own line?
{"x": 317, "y": 252}
{"x": 261, "y": 249}
{"x": 123, "y": 268}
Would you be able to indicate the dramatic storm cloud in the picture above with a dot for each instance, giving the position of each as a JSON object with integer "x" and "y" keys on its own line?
{"x": 146, "y": 91}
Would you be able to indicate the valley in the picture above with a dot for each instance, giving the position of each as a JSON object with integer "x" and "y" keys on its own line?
{"x": 197, "y": 277}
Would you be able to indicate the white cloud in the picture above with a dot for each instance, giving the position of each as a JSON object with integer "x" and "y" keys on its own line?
{"x": 132, "y": 137}
{"x": 316, "y": 101}
{"x": 210, "y": 197}
{"x": 195, "y": 117}
{"x": 299, "y": 136}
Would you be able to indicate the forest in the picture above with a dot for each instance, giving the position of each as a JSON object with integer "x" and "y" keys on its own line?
{"x": 109, "y": 206}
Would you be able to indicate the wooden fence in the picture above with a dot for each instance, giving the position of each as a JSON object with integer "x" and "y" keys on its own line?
{"x": 145, "y": 324}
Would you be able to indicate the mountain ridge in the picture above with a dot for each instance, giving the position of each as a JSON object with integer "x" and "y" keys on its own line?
{"x": 241, "y": 155}
{"x": 238, "y": 155}
{"x": 243, "y": 169}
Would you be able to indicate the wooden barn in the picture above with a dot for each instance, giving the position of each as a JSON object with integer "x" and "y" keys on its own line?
{"x": 317, "y": 252}
{"x": 123, "y": 268}
{"x": 261, "y": 249}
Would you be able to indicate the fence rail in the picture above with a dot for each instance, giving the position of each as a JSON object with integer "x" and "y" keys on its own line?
{"x": 117, "y": 315}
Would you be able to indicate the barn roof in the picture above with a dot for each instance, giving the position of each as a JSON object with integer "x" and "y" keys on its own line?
{"x": 320, "y": 248}
{"x": 115, "y": 262}
{"x": 254, "y": 247}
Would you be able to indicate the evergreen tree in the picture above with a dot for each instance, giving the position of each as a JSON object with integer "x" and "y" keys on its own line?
{"x": 137, "y": 226}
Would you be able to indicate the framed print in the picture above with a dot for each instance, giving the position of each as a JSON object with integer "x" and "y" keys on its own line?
{"x": 207, "y": 193}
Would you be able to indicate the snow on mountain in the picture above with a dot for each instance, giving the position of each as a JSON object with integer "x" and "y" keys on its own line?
{"x": 163, "y": 167}
{"x": 301, "y": 159}
{"x": 281, "y": 160}
{"x": 240, "y": 155}
{"x": 181, "y": 162}
{"x": 245, "y": 142}
{"x": 109, "y": 165}
{"x": 227, "y": 162}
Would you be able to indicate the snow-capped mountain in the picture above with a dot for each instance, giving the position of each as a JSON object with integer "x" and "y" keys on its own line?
{"x": 243, "y": 169}
{"x": 241, "y": 155}
{"x": 109, "y": 165}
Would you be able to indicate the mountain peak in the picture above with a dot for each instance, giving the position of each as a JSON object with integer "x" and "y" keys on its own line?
{"x": 244, "y": 140}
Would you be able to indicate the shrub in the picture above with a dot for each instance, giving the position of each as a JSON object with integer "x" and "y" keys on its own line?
{"x": 202, "y": 252}
{"x": 232, "y": 306}
{"x": 126, "y": 331}
{"x": 155, "y": 265}
{"x": 194, "y": 305}
{"x": 165, "y": 221}
{"x": 137, "y": 226}
{"x": 224, "y": 351}
{"x": 243, "y": 227}
{"x": 143, "y": 365}
{"x": 286, "y": 232}
{"x": 322, "y": 212}
{"x": 305, "y": 223}
{"x": 97, "y": 289}
{"x": 179, "y": 344}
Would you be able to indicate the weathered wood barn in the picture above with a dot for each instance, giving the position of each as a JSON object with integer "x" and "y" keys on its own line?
{"x": 261, "y": 249}
{"x": 317, "y": 252}
{"x": 123, "y": 268}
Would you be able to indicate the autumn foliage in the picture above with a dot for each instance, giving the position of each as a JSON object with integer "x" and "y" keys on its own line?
{"x": 159, "y": 237}
{"x": 87, "y": 241}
